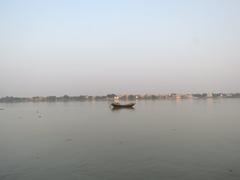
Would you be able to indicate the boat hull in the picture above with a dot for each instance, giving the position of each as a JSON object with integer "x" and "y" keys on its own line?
{"x": 130, "y": 105}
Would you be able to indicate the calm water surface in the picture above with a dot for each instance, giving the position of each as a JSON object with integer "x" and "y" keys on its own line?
{"x": 188, "y": 140}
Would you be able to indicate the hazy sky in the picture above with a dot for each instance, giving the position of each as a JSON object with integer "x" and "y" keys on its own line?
{"x": 55, "y": 47}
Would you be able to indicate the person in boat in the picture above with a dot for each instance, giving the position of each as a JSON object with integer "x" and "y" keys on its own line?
{"x": 116, "y": 101}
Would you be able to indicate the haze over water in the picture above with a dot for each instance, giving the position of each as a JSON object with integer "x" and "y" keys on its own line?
{"x": 163, "y": 139}
{"x": 57, "y": 47}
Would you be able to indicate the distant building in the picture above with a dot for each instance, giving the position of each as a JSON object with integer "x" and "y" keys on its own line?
{"x": 51, "y": 98}
{"x": 111, "y": 96}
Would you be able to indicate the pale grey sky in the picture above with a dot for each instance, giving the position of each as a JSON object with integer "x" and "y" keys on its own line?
{"x": 98, "y": 47}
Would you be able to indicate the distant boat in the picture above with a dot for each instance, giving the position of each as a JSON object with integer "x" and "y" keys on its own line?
{"x": 118, "y": 105}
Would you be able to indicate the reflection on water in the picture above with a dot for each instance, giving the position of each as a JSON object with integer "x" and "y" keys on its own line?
{"x": 184, "y": 139}
{"x": 125, "y": 109}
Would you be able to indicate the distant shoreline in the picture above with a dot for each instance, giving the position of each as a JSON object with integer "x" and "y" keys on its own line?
{"x": 111, "y": 97}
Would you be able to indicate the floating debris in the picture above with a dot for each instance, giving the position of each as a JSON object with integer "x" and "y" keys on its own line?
{"x": 39, "y": 116}
{"x": 37, "y": 157}
{"x": 1, "y": 108}
{"x": 68, "y": 140}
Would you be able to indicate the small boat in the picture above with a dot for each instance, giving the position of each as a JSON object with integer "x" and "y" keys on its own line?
{"x": 118, "y": 105}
